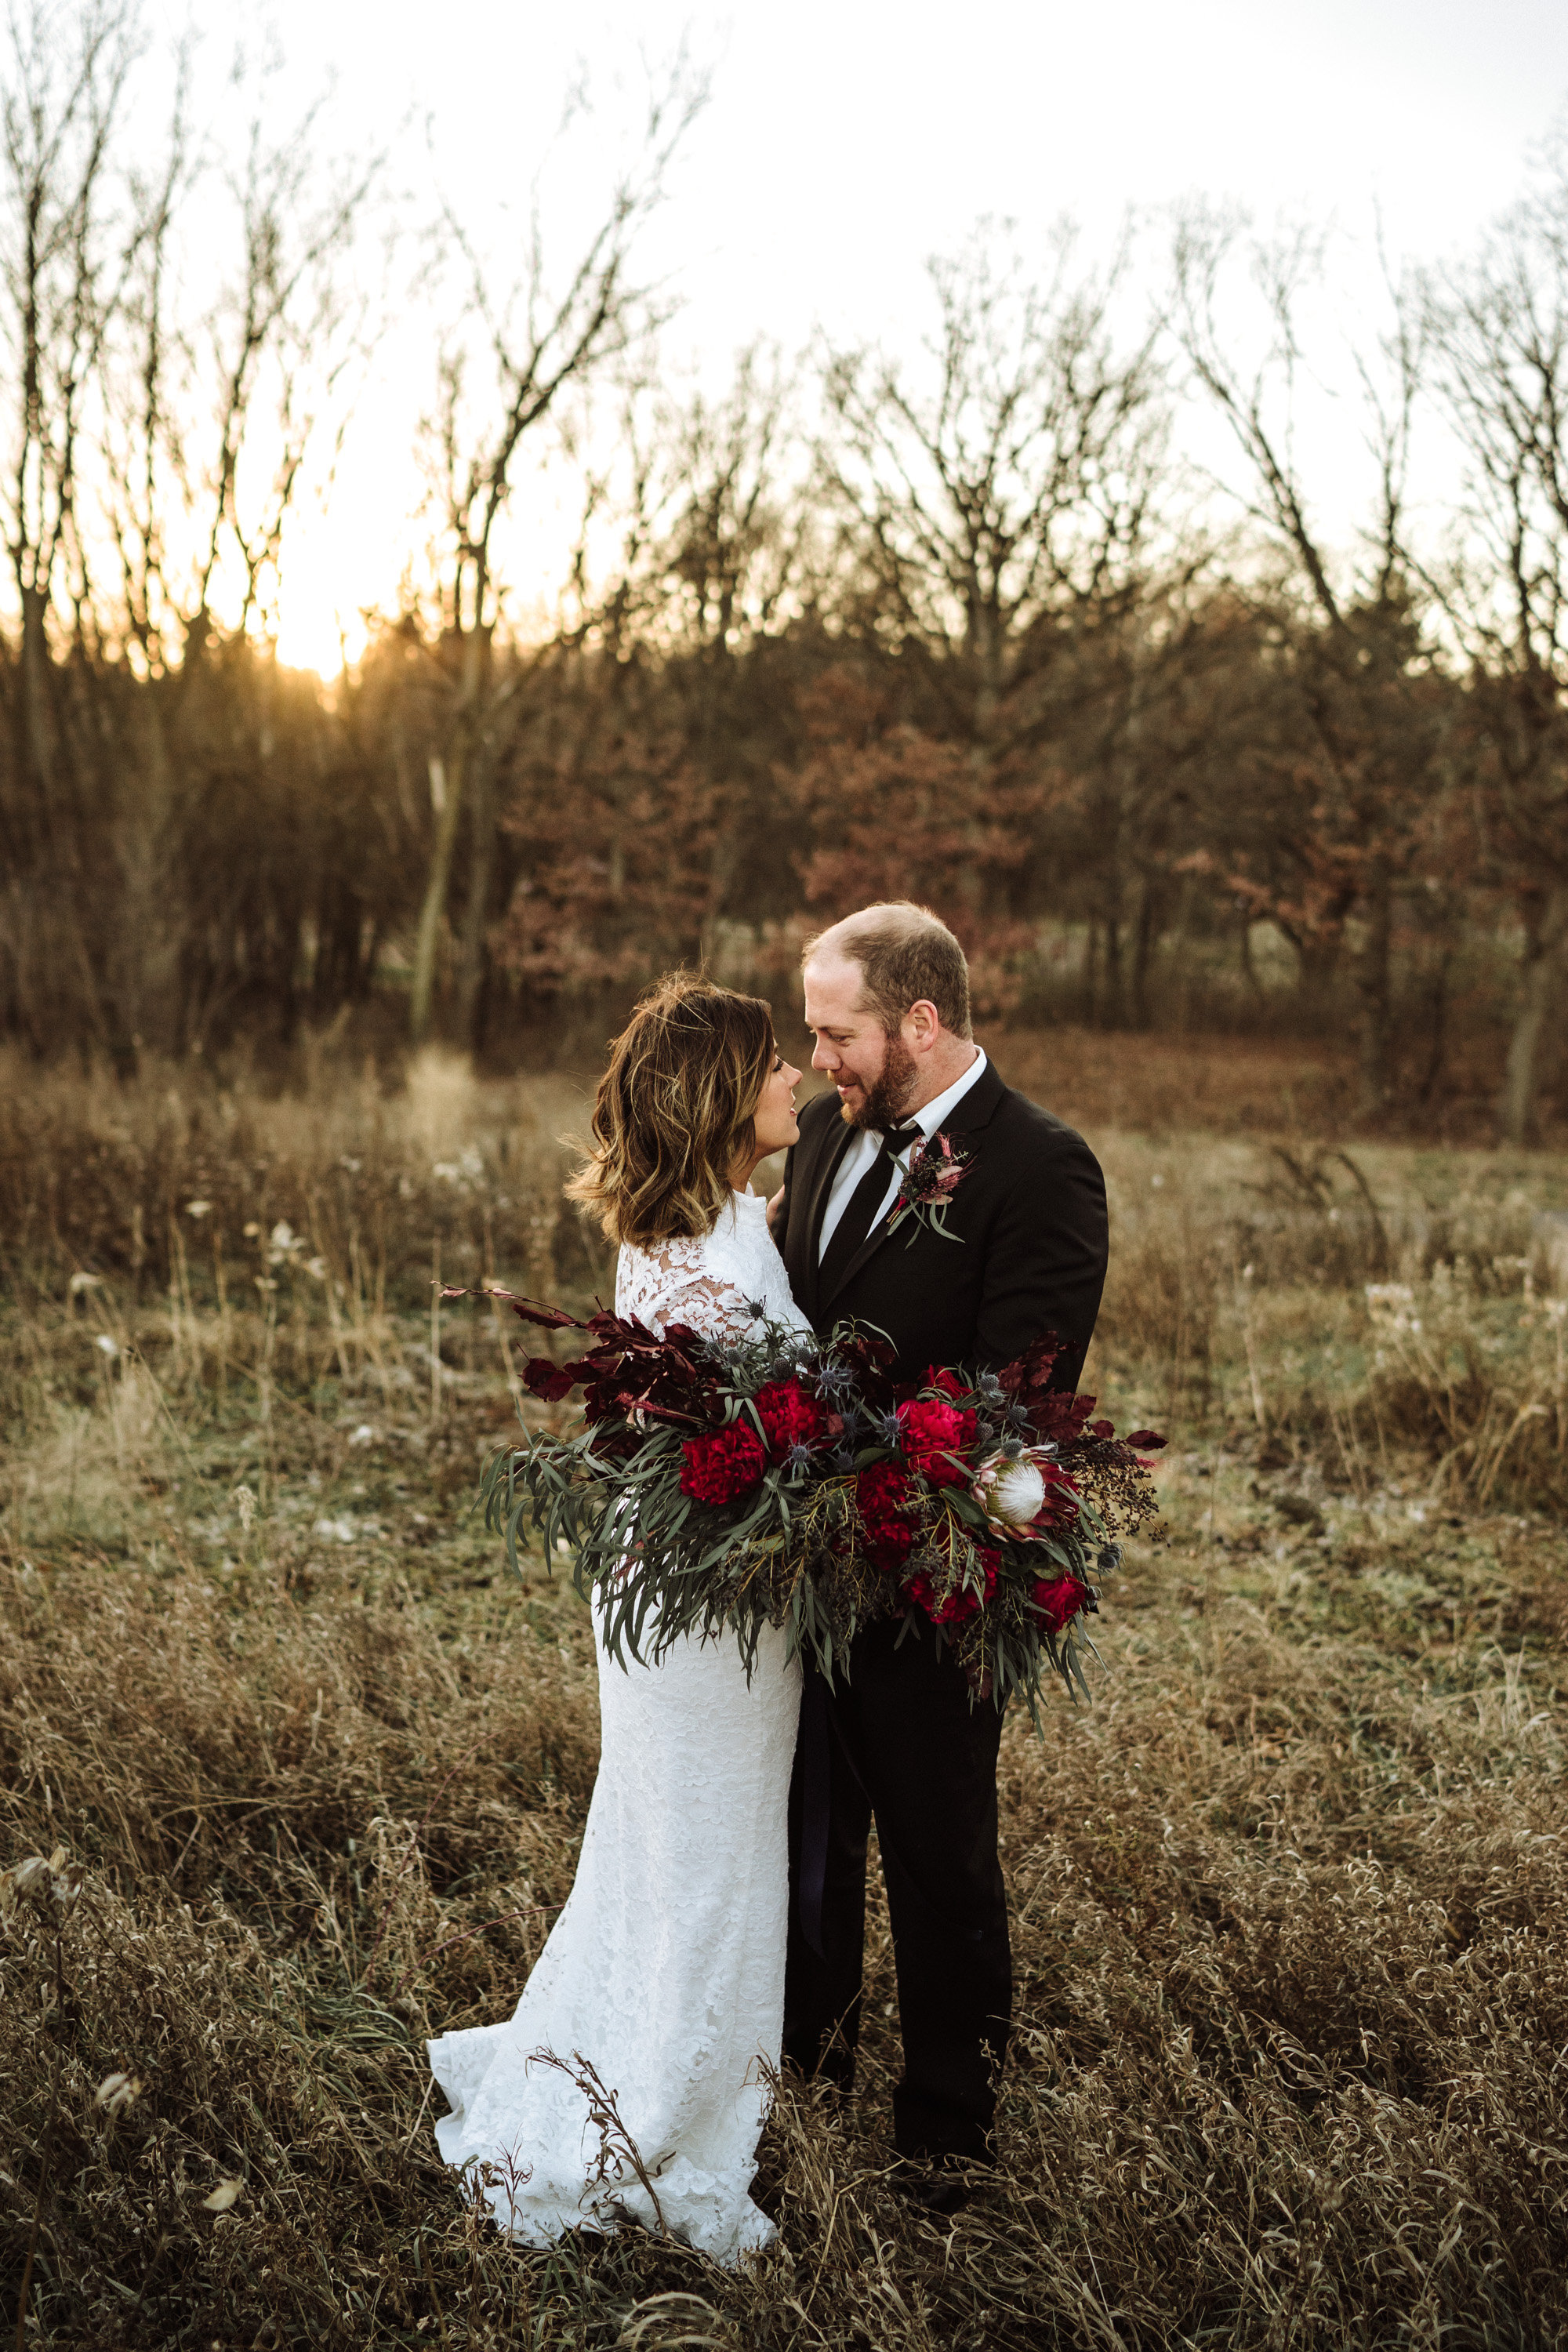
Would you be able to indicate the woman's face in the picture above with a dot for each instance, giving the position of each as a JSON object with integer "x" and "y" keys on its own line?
{"x": 775, "y": 1121}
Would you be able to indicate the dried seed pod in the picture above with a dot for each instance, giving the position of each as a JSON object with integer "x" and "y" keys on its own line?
{"x": 226, "y": 2194}
{"x": 118, "y": 2093}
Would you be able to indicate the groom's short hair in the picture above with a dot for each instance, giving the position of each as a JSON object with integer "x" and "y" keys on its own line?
{"x": 906, "y": 955}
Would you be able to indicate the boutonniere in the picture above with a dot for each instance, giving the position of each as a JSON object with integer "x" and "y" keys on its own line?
{"x": 935, "y": 1169}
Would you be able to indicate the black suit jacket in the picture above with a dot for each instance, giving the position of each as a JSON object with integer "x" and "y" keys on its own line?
{"x": 1031, "y": 1220}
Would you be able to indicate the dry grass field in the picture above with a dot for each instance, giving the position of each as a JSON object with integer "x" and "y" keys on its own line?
{"x": 1292, "y": 2067}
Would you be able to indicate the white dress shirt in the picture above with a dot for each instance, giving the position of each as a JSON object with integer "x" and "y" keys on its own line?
{"x": 868, "y": 1143}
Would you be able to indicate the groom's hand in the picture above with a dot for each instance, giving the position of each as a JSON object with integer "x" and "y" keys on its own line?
{"x": 776, "y": 1217}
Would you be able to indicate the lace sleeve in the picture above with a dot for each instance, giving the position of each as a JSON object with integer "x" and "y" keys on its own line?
{"x": 675, "y": 1283}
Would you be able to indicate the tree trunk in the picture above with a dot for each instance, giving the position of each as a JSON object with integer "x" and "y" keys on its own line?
{"x": 1115, "y": 1005}
{"x": 474, "y": 948}
{"x": 450, "y": 777}
{"x": 1373, "y": 988}
{"x": 1437, "y": 1025}
{"x": 1546, "y": 933}
{"x": 1146, "y": 938}
{"x": 446, "y": 791}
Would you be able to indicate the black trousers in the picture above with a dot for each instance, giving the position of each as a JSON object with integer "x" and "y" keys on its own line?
{"x": 904, "y": 1745}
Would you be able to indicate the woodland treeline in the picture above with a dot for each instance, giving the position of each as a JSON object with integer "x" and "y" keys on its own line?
{"x": 955, "y": 622}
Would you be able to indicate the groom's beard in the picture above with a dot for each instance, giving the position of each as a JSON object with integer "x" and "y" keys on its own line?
{"x": 886, "y": 1095}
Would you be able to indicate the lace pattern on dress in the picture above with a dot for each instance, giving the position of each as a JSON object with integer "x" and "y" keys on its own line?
{"x": 707, "y": 1281}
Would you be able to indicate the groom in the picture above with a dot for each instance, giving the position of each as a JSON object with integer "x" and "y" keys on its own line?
{"x": 887, "y": 994}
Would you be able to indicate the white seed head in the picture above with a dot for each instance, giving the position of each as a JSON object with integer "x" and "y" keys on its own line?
{"x": 198, "y": 1209}
{"x": 245, "y": 1504}
{"x": 29, "y": 1879}
{"x": 226, "y": 2194}
{"x": 105, "y": 1345}
{"x": 80, "y": 1281}
{"x": 118, "y": 2093}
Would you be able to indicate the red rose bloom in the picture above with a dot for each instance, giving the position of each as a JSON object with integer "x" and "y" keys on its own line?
{"x": 882, "y": 1497}
{"x": 721, "y": 1468}
{"x": 789, "y": 1417}
{"x": 929, "y": 1429}
{"x": 1059, "y": 1601}
{"x": 958, "y": 1607}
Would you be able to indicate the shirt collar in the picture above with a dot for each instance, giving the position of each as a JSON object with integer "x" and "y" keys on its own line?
{"x": 930, "y": 1115}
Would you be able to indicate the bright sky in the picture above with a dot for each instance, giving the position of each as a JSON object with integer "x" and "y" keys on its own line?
{"x": 846, "y": 141}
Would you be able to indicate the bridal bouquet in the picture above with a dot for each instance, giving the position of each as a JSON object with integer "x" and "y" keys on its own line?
{"x": 786, "y": 1480}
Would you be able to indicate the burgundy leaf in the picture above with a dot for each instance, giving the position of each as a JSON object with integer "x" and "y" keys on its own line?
{"x": 549, "y": 1319}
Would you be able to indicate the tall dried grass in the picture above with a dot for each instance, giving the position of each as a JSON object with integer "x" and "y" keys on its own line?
{"x": 1292, "y": 1993}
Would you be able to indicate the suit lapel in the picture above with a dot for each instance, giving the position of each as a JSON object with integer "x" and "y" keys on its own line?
{"x": 836, "y": 1142}
{"x": 971, "y": 1111}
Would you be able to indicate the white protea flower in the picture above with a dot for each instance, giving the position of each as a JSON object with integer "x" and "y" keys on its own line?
{"x": 1011, "y": 1489}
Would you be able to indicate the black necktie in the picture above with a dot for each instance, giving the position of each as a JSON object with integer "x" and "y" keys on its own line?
{"x": 860, "y": 1210}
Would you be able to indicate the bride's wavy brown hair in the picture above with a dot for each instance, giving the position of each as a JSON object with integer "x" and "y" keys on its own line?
{"x": 675, "y": 1110}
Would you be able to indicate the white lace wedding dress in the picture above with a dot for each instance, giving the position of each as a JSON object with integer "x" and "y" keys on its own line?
{"x": 666, "y": 1969}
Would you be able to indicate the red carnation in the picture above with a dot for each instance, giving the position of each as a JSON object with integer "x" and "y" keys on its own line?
{"x": 884, "y": 1497}
{"x": 720, "y": 1468}
{"x": 1060, "y": 1601}
{"x": 789, "y": 1417}
{"x": 929, "y": 1429}
{"x": 957, "y": 1606}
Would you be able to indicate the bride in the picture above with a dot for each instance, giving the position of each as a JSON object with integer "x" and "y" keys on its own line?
{"x": 663, "y": 1978}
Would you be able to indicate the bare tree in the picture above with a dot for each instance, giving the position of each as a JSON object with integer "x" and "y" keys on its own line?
{"x": 69, "y": 244}
{"x": 159, "y": 432}
{"x": 1008, "y": 479}
{"x": 1500, "y": 329}
{"x": 1375, "y": 764}
{"x": 502, "y": 371}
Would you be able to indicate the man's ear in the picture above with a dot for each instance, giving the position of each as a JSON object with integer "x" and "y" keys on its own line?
{"x": 923, "y": 1024}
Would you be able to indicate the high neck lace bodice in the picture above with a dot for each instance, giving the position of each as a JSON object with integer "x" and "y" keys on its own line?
{"x": 720, "y": 1282}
